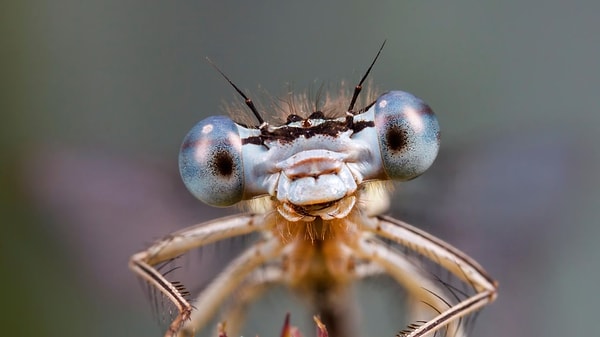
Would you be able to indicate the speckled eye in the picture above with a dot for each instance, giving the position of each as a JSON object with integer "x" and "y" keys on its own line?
{"x": 408, "y": 133}
{"x": 210, "y": 162}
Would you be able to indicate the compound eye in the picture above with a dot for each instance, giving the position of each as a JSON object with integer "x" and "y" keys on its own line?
{"x": 408, "y": 133}
{"x": 210, "y": 162}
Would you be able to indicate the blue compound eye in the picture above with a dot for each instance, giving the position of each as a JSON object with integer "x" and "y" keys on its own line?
{"x": 210, "y": 162}
{"x": 408, "y": 134}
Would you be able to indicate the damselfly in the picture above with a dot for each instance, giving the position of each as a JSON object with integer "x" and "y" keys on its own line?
{"x": 313, "y": 187}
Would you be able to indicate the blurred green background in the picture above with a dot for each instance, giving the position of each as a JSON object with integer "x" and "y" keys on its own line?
{"x": 97, "y": 96}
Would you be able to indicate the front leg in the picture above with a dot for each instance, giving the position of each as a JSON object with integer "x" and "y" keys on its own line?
{"x": 447, "y": 256}
{"x": 181, "y": 242}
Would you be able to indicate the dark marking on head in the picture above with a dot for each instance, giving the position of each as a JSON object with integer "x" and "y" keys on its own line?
{"x": 222, "y": 163}
{"x": 293, "y": 118}
{"x": 396, "y": 139}
{"x": 359, "y": 126}
{"x": 256, "y": 140}
{"x": 287, "y": 134}
{"x": 317, "y": 115}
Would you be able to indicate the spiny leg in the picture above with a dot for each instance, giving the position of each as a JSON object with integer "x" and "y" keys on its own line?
{"x": 447, "y": 256}
{"x": 416, "y": 280}
{"x": 411, "y": 276}
{"x": 211, "y": 298}
{"x": 180, "y": 242}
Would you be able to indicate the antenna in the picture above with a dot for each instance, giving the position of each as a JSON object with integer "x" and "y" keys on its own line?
{"x": 248, "y": 101}
{"x": 358, "y": 88}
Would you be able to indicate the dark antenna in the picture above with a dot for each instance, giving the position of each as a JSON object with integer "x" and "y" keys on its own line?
{"x": 248, "y": 101}
{"x": 358, "y": 88}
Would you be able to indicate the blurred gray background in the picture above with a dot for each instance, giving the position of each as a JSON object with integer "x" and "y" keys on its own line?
{"x": 97, "y": 96}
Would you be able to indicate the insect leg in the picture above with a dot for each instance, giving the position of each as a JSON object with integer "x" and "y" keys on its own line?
{"x": 447, "y": 256}
{"x": 211, "y": 298}
{"x": 418, "y": 283}
{"x": 180, "y": 242}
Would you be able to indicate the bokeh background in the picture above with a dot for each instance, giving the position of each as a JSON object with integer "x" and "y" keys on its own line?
{"x": 96, "y": 97}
